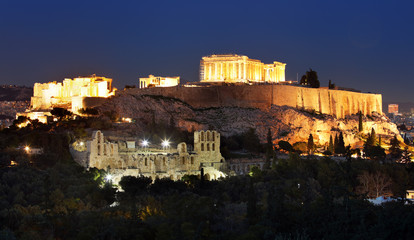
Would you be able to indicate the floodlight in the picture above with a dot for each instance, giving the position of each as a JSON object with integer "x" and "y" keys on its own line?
{"x": 165, "y": 143}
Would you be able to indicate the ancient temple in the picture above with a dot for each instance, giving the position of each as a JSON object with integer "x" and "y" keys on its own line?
{"x": 232, "y": 68}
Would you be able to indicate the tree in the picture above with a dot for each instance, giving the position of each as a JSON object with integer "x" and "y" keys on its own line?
{"x": 373, "y": 136}
{"x": 331, "y": 85}
{"x": 134, "y": 185}
{"x": 360, "y": 126}
{"x": 374, "y": 184}
{"x": 285, "y": 145}
{"x": 340, "y": 147}
{"x": 269, "y": 149}
{"x": 251, "y": 204}
{"x": 311, "y": 144}
{"x": 395, "y": 150}
{"x": 310, "y": 79}
{"x": 374, "y": 152}
{"x": 251, "y": 141}
{"x": 89, "y": 111}
{"x": 331, "y": 145}
{"x": 335, "y": 144}
{"x": 61, "y": 113}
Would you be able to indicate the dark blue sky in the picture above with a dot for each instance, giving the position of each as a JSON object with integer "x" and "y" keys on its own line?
{"x": 366, "y": 45}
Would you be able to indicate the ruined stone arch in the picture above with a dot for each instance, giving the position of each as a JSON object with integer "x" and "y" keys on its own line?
{"x": 208, "y": 136}
{"x": 208, "y": 147}
{"x": 213, "y": 148}
{"x": 202, "y": 135}
{"x": 202, "y": 147}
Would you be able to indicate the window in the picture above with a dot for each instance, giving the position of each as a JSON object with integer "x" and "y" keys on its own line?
{"x": 213, "y": 147}
{"x": 208, "y": 147}
{"x": 146, "y": 162}
{"x": 202, "y": 147}
{"x": 99, "y": 149}
{"x": 202, "y": 136}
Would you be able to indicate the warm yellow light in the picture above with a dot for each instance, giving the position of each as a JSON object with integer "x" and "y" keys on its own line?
{"x": 27, "y": 149}
{"x": 128, "y": 120}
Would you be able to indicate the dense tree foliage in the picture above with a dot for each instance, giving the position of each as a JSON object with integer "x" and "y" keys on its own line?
{"x": 310, "y": 79}
{"x": 48, "y": 196}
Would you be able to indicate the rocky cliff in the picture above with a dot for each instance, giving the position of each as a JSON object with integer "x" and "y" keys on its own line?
{"x": 286, "y": 123}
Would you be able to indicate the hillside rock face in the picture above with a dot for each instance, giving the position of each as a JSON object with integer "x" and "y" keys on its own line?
{"x": 285, "y": 123}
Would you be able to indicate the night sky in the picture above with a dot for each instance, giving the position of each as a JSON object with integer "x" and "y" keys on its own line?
{"x": 367, "y": 45}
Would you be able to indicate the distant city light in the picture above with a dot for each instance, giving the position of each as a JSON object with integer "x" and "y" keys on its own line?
{"x": 145, "y": 143}
{"x": 27, "y": 149}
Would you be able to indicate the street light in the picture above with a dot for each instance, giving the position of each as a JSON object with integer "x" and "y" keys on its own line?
{"x": 145, "y": 143}
{"x": 27, "y": 149}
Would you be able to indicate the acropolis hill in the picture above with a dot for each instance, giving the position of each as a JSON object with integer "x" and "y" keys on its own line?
{"x": 332, "y": 102}
{"x": 220, "y": 71}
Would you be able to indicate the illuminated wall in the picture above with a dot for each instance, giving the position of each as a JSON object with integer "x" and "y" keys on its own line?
{"x": 152, "y": 81}
{"x": 54, "y": 94}
{"x": 236, "y": 68}
{"x": 327, "y": 101}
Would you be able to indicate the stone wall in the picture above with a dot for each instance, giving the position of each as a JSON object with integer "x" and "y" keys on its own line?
{"x": 338, "y": 103}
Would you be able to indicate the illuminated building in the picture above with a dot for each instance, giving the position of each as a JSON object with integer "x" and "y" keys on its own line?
{"x": 152, "y": 81}
{"x": 393, "y": 108}
{"x": 127, "y": 158}
{"x": 70, "y": 93}
{"x": 232, "y": 68}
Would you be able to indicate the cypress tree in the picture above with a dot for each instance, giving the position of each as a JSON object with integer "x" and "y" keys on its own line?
{"x": 336, "y": 144}
{"x": 373, "y": 137}
{"x": 310, "y": 144}
{"x": 360, "y": 127}
{"x": 269, "y": 149}
{"x": 331, "y": 145}
{"x": 340, "y": 149}
{"x": 251, "y": 204}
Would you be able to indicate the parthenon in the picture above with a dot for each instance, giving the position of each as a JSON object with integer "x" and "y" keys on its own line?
{"x": 234, "y": 68}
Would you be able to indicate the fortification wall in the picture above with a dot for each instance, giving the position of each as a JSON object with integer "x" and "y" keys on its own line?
{"x": 334, "y": 102}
